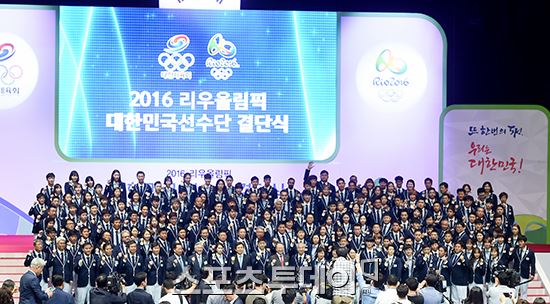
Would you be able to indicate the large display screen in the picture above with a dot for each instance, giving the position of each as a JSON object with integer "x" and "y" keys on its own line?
{"x": 196, "y": 85}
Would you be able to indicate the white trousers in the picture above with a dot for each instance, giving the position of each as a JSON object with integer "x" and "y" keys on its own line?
{"x": 83, "y": 295}
{"x": 447, "y": 294}
{"x": 154, "y": 291}
{"x": 458, "y": 293}
{"x": 43, "y": 285}
{"x": 68, "y": 288}
{"x": 521, "y": 290}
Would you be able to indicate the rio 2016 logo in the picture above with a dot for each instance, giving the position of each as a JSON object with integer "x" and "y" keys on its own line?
{"x": 176, "y": 64}
{"x": 221, "y": 69}
{"x": 391, "y": 88}
{"x": 18, "y": 70}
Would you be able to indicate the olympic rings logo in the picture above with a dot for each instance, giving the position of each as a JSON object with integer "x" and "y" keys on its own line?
{"x": 221, "y": 73}
{"x": 387, "y": 61}
{"x": 9, "y": 75}
{"x": 390, "y": 94}
{"x": 176, "y": 61}
{"x": 218, "y": 45}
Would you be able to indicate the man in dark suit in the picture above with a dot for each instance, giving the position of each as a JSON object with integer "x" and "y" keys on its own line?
{"x": 87, "y": 269}
{"x": 62, "y": 262}
{"x": 177, "y": 263}
{"x": 271, "y": 192}
{"x": 59, "y": 296}
{"x": 139, "y": 296}
{"x": 197, "y": 260}
{"x": 524, "y": 263}
{"x": 130, "y": 266}
{"x": 30, "y": 291}
{"x": 240, "y": 261}
{"x": 279, "y": 259}
{"x": 142, "y": 188}
{"x": 39, "y": 252}
{"x": 460, "y": 272}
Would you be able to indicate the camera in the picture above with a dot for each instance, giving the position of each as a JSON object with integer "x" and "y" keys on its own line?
{"x": 441, "y": 283}
{"x": 114, "y": 283}
{"x": 506, "y": 276}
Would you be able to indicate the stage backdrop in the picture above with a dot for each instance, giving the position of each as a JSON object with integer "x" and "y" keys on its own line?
{"x": 335, "y": 88}
{"x": 506, "y": 145}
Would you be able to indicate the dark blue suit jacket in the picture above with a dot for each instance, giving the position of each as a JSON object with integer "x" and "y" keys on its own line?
{"x": 30, "y": 291}
{"x": 524, "y": 265}
{"x": 139, "y": 296}
{"x": 60, "y": 297}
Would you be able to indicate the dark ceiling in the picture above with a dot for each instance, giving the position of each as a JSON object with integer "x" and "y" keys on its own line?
{"x": 498, "y": 51}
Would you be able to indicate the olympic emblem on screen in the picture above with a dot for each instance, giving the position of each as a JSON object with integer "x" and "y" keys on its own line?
{"x": 387, "y": 61}
{"x": 218, "y": 45}
{"x": 222, "y": 68}
{"x": 176, "y": 64}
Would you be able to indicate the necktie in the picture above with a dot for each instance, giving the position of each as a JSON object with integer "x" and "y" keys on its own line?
{"x": 141, "y": 189}
{"x": 199, "y": 259}
{"x": 133, "y": 260}
{"x": 240, "y": 261}
{"x": 281, "y": 260}
{"x": 300, "y": 260}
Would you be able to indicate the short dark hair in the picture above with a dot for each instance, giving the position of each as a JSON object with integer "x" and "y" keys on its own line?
{"x": 342, "y": 252}
{"x": 402, "y": 291}
{"x": 380, "y": 282}
{"x": 259, "y": 301}
{"x": 289, "y": 296}
{"x": 412, "y": 283}
{"x": 101, "y": 281}
{"x": 431, "y": 279}
{"x": 168, "y": 284}
{"x": 261, "y": 278}
{"x": 139, "y": 278}
{"x": 57, "y": 280}
{"x": 392, "y": 280}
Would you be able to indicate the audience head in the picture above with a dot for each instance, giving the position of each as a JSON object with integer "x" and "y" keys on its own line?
{"x": 402, "y": 291}
{"x": 57, "y": 281}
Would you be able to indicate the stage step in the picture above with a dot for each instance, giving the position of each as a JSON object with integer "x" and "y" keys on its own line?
{"x": 13, "y": 250}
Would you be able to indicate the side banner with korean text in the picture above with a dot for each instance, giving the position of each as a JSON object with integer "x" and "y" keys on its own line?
{"x": 507, "y": 146}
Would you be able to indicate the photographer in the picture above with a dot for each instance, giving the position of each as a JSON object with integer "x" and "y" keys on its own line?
{"x": 429, "y": 291}
{"x": 502, "y": 287}
{"x": 102, "y": 294}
